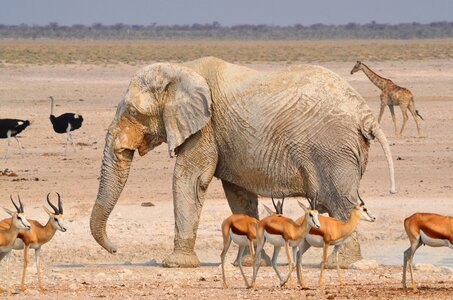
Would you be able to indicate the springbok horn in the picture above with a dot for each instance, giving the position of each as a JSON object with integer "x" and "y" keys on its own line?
{"x": 273, "y": 202}
{"x": 14, "y": 203}
{"x": 60, "y": 206}
{"x": 21, "y": 206}
{"x": 361, "y": 200}
{"x": 51, "y": 205}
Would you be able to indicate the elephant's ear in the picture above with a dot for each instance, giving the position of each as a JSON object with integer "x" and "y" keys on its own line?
{"x": 187, "y": 107}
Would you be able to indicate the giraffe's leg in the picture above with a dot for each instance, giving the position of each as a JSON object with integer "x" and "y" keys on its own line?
{"x": 324, "y": 257}
{"x": 381, "y": 111}
{"x": 392, "y": 111}
{"x": 24, "y": 274}
{"x": 414, "y": 115}
{"x": 226, "y": 245}
{"x": 241, "y": 252}
{"x": 405, "y": 118}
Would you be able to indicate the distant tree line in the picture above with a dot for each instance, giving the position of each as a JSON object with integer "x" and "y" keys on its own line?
{"x": 215, "y": 30}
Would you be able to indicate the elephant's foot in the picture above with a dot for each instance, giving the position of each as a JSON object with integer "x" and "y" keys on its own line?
{"x": 349, "y": 253}
{"x": 247, "y": 260}
{"x": 180, "y": 259}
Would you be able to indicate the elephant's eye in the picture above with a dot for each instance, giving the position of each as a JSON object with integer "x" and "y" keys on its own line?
{"x": 132, "y": 111}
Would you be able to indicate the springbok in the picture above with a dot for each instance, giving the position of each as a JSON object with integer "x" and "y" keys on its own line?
{"x": 9, "y": 234}
{"x": 241, "y": 229}
{"x": 332, "y": 232}
{"x": 429, "y": 229}
{"x": 38, "y": 235}
{"x": 282, "y": 231}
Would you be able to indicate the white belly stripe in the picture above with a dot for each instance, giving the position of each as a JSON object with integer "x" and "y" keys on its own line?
{"x": 434, "y": 242}
{"x": 277, "y": 240}
{"x": 240, "y": 240}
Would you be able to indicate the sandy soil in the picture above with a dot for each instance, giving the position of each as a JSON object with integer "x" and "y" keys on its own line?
{"x": 76, "y": 267}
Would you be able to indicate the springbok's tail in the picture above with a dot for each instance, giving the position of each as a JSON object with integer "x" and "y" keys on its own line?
{"x": 416, "y": 111}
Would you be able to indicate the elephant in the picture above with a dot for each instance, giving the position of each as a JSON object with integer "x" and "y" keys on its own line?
{"x": 302, "y": 131}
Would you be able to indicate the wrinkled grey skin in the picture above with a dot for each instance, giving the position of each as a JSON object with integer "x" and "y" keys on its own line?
{"x": 303, "y": 131}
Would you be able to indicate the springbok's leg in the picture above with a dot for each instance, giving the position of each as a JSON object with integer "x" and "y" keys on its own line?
{"x": 414, "y": 248}
{"x": 8, "y": 274}
{"x": 241, "y": 253}
{"x": 226, "y": 246}
{"x": 302, "y": 249}
{"x": 290, "y": 264}
{"x": 252, "y": 250}
{"x": 406, "y": 258}
{"x": 337, "y": 252}
{"x": 274, "y": 264}
{"x": 24, "y": 274}
{"x": 324, "y": 257}
{"x": 38, "y": 267}
{"x": 256, "y": 259}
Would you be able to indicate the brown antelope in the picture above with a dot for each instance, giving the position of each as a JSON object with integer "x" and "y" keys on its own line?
{"x": 241, "y": 229}
{"x": 38, "y": 235}
{"x": 429, "y": 229}
{"x": 281, "y": 231}
{"x": 332, "y": 232}
{"x": 9, "y": 234}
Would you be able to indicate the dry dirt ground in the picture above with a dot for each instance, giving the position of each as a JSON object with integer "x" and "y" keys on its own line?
{"x": 75, "y": 267}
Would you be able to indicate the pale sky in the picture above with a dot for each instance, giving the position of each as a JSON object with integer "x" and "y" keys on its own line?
{"x": 226, "y": 12}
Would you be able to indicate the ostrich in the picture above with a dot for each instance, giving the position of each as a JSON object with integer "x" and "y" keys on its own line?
{"x": 65, "y": 123}
{"x": 10, "y": 128}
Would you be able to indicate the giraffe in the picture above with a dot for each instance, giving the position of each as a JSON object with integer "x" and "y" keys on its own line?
{"x": 391, "y": 95}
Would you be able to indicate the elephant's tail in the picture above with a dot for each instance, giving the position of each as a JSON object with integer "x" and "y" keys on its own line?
{"x": 379, "y": 135}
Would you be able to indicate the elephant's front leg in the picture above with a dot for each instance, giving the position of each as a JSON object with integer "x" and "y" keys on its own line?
{"x": 192, "y": 175}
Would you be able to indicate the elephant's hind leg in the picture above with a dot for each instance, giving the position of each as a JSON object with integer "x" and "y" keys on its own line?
{"x": 240, "y": 200}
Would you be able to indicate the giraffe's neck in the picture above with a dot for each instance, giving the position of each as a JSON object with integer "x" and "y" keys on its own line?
{"x": 377, "y": 80}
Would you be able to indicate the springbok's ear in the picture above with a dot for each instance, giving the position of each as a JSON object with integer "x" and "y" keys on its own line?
{"x": 48, "y": 211}
{"x": 187, "y": 107}
{"x": 269, "y": 211}
{"x": 9, "y": 212}
{"x": 302, "y": 206}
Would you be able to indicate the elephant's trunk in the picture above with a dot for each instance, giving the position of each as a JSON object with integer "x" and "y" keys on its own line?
{"x": 114, "y": 173}
{"x": 379, "y": 134}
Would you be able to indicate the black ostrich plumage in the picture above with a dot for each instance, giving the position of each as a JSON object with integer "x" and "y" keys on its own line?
{"x": 60, "y": 124}
{"x": 15, "y": 126}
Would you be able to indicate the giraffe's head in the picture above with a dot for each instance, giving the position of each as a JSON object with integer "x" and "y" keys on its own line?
{"x": 357, "y": 67}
